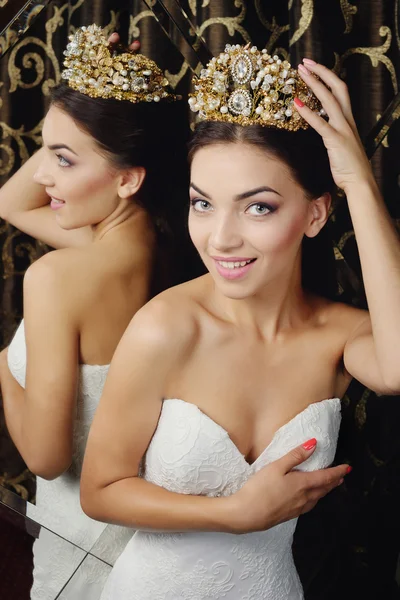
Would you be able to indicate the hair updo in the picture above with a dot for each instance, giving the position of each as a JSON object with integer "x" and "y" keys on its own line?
{"x": 305, "y": 155}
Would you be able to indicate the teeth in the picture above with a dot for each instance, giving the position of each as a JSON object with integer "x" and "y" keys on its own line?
{"x": 233, "y": 265}
{"x": 57, "y": 201}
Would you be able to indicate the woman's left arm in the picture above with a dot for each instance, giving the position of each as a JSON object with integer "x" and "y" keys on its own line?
{"x": 40, "y": 417}
{"x": 372, "y": 352}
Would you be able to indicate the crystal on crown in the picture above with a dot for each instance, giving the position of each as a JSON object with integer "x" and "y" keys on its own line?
{"x": 92, "y": 69}
{"x": 242, "y": 69}
{"x": 245, "y": 86}
{"x": 240, "y": 102}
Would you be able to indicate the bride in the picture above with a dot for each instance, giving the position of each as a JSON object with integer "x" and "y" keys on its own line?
{"x": 216, "y": 379}
{"x": 101, "y": 192}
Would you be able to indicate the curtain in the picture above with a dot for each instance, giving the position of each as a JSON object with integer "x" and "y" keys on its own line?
{"x": 355, "y": 531}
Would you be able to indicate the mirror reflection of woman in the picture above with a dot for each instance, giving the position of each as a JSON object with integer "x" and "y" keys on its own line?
{"x": 107, "y": 191}
{"x": 216, "y": 379}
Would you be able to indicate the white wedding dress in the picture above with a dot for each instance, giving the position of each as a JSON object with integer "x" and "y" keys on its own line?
{"x": 58, "y": 503}
{"x": 191, "y": 454}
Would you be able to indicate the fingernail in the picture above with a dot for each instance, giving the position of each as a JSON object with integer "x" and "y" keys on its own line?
{"x": 349, "y": 470}
{"x": 304, "y": 70}
{"x": 310, "y": 444}
{"x": 298, "y": 102}
{"x": 309, "y": 61}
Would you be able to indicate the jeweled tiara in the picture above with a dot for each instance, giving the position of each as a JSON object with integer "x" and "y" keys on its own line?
{"x": 247, "y": 86}
{"x": 93, "y": 69}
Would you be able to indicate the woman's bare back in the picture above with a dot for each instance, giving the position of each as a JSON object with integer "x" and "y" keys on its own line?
{"x": 105, "y": 283}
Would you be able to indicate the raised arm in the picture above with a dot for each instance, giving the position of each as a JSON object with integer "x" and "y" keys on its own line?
{"x": 25, "y": 204}
{"x": 126, "y": 419}
{"x": 40, "y": 417}
{"x": 372, "y": 352}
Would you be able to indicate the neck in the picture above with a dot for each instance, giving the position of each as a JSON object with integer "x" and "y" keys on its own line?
{"x": 279, "y": 306}
{"x": 127, "y": 216}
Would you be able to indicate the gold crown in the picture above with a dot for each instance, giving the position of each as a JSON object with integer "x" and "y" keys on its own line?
{"x": 249, "y": 87}
{"x": 91, "y": 68}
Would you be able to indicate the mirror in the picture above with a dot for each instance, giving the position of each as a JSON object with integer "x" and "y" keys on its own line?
{"x": 16, "y": 18}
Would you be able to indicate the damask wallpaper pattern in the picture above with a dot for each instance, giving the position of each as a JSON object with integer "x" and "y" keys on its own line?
{"x": 360, "y": 40}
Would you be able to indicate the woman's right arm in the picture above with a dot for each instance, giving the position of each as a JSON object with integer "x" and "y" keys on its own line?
{"x": 25, "y": 204}
{"x": 125, "y": 421}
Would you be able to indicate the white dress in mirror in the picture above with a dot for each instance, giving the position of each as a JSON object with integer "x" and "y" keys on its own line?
{"x": 191, "y": 454}
{"x": 58, "y": 502}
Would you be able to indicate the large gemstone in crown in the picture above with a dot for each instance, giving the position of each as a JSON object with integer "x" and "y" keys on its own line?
{"x": 240, "y": 103}
{"x": 242, "y": 69}
{"x": 137, "y": 84}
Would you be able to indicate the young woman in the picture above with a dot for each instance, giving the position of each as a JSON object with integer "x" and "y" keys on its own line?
{"x": 108, "y": 192}
{"x": 218, "y": 377}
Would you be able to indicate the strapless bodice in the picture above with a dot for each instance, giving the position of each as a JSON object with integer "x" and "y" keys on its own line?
{"x": 191, "y": 454}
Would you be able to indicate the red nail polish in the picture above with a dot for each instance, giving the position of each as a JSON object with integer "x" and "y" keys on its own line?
{"x": 298, "y": 102}
{"x": 349, "y": 470}
{"x": 310, "y": 444}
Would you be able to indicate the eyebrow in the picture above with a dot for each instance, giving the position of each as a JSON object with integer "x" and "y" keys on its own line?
{"x": 264, "y": 188}
{"x": 61, "y": 147}
{"x": 242, "y": 196}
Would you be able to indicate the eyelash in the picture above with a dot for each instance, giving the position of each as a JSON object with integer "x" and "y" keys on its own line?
{"x": 195, "y": 201}
{"x": 270, "y": 209}
{"x": 62, "y": 159}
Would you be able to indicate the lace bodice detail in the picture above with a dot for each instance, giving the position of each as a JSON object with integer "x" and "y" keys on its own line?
{"x": 191, "y": 454}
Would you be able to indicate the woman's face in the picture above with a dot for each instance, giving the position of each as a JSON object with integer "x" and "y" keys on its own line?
{"x": 81, "y": 183}
{"x": 247, "y": 218}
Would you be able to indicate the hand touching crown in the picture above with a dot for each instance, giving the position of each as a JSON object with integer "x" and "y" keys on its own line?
{"x": 245, "y": 86}
{"x": 93, "y": 69}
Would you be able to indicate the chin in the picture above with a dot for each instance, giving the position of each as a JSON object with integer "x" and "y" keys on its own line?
{"x": 69, "y": 224}
{"x": 66, "y": 225}
{"x": 235, "y": 290}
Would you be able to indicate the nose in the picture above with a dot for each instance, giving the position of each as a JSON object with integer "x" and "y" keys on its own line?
{"x": 43, "y": 175}
{"x": 226, "y": 235}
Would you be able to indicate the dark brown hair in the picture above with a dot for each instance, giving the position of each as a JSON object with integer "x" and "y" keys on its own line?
{"x": 305, "y": 154}
{"x": 154, "y": 136}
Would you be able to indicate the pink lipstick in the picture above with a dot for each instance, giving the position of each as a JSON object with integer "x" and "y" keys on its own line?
{"x": 233, "y": 267}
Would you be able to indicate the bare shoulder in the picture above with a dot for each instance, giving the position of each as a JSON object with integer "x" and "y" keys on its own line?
{"x": 347, "y": 318}
{"x": 47, "y": 270}
{"x": 170, "y": 321}
{"x": 58, "y": 261}
{"x": 59, "y": 274}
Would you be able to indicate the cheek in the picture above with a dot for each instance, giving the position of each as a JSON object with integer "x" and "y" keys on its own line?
{"x": 279, "y": 235}
{"x": 198, "y": 231}
{"x": 84, "y": 185}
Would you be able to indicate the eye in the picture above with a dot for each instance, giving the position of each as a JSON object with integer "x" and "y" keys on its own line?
{"x": 259, "y": 209}
{"x": 200, "y": 205}
{"x": 62, "y": 161}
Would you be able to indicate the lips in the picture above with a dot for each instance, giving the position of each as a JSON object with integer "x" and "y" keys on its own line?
{"x": 56, "y": 203}
{"x": 230, "y": 264}
{"x": 234, "y": 267}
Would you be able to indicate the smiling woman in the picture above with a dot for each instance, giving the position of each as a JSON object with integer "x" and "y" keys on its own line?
{"x": 101, "y": 192}
{"x": 298, "y": 165}
{"x": 251, "y": 362}
{"x": 76, "y": 177}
